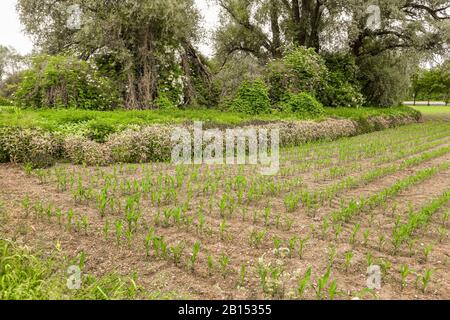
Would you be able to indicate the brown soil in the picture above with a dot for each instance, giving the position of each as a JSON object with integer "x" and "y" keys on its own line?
{"x": 104, "y": 255}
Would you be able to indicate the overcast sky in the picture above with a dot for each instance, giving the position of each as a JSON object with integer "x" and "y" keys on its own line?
{"x": 11, "y": 33}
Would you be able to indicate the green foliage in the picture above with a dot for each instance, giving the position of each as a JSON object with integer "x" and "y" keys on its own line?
{"x": 433, "y": 84}
{"x": 27, "y": 276}
{"x": 164, "y": 103}
{"x": 302, "y": 103}
{"x": 342, "y": 88}
{"x": 65, "y": 82}
{"x": 252, "y": 98}
{"x": 385, "y": 78}
{"x": 299, "y": 70}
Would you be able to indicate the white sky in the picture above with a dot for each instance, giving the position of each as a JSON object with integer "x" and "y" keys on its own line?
{"x": 11, "y": 30}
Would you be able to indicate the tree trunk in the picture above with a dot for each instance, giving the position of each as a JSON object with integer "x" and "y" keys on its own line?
{"x": 275, "y": 26}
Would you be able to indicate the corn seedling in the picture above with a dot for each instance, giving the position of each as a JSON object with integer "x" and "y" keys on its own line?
{"x": 425, "y": 280}
{"x": 303, "y": 283}
{"x": 242, "y": 276}
{"x": 224, "y": 261}
{"x": 177, "y": 252}
{"x": 210, "y": 263}
{"x": 348, "y": 260}
{"x": 354, "y": 234}
{"x": 321, "y": 284}
{"x": 427, "y": 251}
{"x": 301, "y": 247}
{"x": 404, "y": 272}
{"x": 194, "y": 254}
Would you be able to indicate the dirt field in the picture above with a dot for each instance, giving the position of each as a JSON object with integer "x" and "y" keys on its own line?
{"x": 378, "y": 199}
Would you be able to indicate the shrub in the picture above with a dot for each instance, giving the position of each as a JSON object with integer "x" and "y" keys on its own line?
{"x": 99, "y": 131}
{"x": 4, "y": 102}
{"x": 84, "y": 151}
{"x": 164, "y": 103}
{"x": 65, "y": 82}
{"x": 299, "y": 70}
{"x": 151, "y": 143}
{"x": 252, "y": 98}
{"x": 302, "y": 103}
{"x": 342, "y": 88}
{"x": 34, "y": 147}
{"x": 341, "y": 95}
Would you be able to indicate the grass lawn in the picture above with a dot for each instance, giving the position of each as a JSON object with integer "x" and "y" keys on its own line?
{"x": 50, "y": 119}
{"x": 434, "y": 112}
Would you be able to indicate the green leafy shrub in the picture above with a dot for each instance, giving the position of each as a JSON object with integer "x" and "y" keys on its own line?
{"x": 65, "y": 82}
{"x": 164, "y": 103}
{"x": 341, "y": 95}
{"x": 252, "y": 98}
{"x": 5, "y": 102}
{"x": 302, "y": 103}
{"x": 99, "y": 131}
{"x": 300, "y": 70}
{"x": 342, "y": 88}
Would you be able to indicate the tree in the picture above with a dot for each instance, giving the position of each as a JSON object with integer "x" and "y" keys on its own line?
{"x": 10, "y": 61}
{"x": 265, "y": 28}
{"x": 146, "y": 46}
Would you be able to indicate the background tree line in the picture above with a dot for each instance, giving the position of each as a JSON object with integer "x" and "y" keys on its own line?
{"x": 270, "y": 55}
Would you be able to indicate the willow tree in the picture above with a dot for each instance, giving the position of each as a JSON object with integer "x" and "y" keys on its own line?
{"x": 404, "y": 32}
{"x": 265, "y": 27}
{"x": 146, "y": 46}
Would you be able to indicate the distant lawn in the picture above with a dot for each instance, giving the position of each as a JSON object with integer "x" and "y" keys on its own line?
{"x": 432, "y": 109}
{"x": 50, "y": 119}
{"x": 434, "y": 112}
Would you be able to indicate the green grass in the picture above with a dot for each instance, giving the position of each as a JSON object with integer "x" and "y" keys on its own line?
{"x": 25, "y": 275}
{"x": 50, "y": 119}
{"x": 433, "y": 109}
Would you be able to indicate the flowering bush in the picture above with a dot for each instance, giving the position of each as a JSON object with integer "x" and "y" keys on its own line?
{"x": 84, "y": 151}
{"x": 153, "y": 143}
{"x": 34, "y": 147}
{"x": 147, "y": 144}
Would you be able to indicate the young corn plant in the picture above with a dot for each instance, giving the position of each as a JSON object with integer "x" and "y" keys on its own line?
{"x": 194, "y": 254}
{"x": 354, "y": 234}
{"x": 303, "y": 283}
{"x": 292, "y": 245}
{"x": 224, "y": 261}
{"x": 322, "y": 284}
{"x": 425, "y": 279}
{"x": 26, "y": 203}
{"x": 177, "y": 252}
{"x": 106, "y": 227}
{"x": 257, "y": 237}
{"x": 211, "y": 264}
{"x": 119, "y": 231}
{"x": 427, "y": 251}
{"x": 242, "y": 276}
{"x": 148, "y": 241}
{"x": 301, "y": 247}
{"x": 69, "y": 219}
{"x": 348, "y": 260}
{"x": 366, "y": 235}
{"x": 404, "y": 272}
